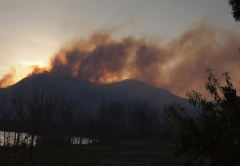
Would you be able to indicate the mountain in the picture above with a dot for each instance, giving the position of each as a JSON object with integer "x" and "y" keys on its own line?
{"x": 94, "y": 94}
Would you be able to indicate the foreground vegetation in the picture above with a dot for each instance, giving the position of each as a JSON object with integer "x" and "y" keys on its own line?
{"x": 214, "y": 133}
{"x": 126, "y": 153}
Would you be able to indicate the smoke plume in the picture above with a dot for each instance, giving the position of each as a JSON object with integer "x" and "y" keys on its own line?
{"x": 178, "y": 65}
{"x": 9, "y": 78}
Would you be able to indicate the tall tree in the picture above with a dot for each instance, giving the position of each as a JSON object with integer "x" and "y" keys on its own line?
{"x": 215, "y": 133}
{"x": 33, "y": 105}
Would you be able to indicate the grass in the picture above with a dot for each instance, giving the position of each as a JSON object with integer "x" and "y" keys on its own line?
{"x": 125, "y": 153}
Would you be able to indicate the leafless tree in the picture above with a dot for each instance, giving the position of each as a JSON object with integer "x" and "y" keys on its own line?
{"x": 33, "y": 105}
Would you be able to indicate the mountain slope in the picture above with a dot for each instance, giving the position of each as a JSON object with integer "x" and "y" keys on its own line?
{"x": 126, "y": 90}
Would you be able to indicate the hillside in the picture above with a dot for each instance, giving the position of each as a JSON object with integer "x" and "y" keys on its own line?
{"x": 93, "y": 94}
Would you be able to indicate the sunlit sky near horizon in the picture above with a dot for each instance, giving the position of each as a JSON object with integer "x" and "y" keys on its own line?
{"x": 32, "y": 31}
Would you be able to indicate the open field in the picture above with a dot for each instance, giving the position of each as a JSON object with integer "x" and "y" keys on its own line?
{"x": 125, "y": 153}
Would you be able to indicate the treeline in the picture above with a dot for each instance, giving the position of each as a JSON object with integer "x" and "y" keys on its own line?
{"x": 52, "y": 118}
{"x": 41, "y": 109}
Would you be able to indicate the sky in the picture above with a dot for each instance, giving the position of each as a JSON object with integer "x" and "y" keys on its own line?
{"x": 179, "y": 31}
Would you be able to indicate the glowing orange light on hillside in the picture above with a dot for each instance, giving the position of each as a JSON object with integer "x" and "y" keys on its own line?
{"x": 38, "y": 70}
{"x": 107, "y": 80}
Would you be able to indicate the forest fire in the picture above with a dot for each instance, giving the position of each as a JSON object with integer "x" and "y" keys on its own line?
{"x": 38, "y": 70}
{"x": 181, "y": 62}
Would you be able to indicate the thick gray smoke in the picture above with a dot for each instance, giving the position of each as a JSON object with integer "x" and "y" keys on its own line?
{"x": 178, "y": 65}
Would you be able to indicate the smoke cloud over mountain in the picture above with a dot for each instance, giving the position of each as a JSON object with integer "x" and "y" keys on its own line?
{"x": 178, "y": 65}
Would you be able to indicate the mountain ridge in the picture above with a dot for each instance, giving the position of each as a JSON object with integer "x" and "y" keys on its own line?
{"x": 94, "y": 94}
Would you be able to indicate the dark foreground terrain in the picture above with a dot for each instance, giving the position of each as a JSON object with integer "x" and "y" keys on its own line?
{"x": 124, "y": 153}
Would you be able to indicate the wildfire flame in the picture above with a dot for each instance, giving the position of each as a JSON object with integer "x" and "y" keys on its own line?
{"x": 38, "y": 70}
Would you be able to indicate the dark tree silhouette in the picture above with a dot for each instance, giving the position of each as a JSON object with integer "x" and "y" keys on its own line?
{"x": 214, "y": 134}
{"x": 235, "y": 4}
{"x": 33, "y": 107}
